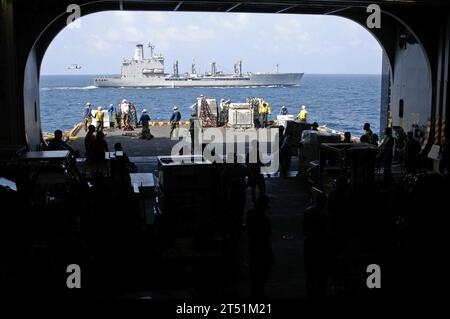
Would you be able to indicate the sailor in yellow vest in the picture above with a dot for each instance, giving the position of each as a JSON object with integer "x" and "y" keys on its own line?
{"x": 303, "y": 114}
{"x": 99, "y": 116}
{"x": 264, "y": 111}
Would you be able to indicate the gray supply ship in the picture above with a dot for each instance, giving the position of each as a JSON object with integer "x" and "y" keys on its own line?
{"x": 141, "y": 72}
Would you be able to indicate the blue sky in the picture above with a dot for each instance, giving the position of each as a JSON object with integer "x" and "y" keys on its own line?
{"x": 298, "y": 43}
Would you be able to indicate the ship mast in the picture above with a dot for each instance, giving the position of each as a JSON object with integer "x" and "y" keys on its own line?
{"x": 175, "y": 69}
{"x": 152, "y": 48}
{"x": 193, "y": 71}
{"x": 238, "y": 68}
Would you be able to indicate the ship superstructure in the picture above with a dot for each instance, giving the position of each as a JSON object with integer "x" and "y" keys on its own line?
{"x": 150, "y": 72}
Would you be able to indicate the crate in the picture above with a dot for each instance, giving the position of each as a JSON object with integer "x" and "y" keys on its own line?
{"x": 240, "y": 116}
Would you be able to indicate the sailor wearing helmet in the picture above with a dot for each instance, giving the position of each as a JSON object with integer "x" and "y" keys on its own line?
{"x": 144, "y": 120}
{"x": 284, "y": 110}
{"x": 87, "y": 115}
{"x": 124, "y": 112}
{"x": 174, "y": 120}
{"x": 99, "y": 117}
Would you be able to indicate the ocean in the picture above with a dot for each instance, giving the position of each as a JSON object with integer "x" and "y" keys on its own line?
{"x": 341, "y": 102}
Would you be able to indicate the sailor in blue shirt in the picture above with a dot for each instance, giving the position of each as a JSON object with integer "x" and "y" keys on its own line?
{"x": 174, "y": 120}
{"x": 144, "y": 120}
{"x": 113, "y": 116}
{"x": 284, "y": 110}
{"x": 87, "y": 115}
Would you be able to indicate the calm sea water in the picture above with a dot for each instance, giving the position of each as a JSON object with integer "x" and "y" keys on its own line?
{"x": 342, "y": 102}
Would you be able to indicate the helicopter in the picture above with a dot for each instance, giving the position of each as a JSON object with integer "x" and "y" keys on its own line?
{"x": 74, "y": 67}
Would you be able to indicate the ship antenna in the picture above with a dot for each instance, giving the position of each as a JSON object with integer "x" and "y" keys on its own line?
{"x": 277, "y": 67}
{"x": 193, "y": 70}
{"x": 152, "y": 47}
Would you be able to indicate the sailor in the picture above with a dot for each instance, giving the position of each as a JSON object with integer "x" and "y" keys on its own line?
{"x": 87, "y": 115}
{"x": 174, "y": 120}
{"x": 303, "y": 114}
{"x": 89, "y": 142}
{"x": 264, "y": 111}
{"x": 113, "y": 115}
{"x": 194, "y": 130}
{"x": 386, "y": 154}
{"x": 99, "y": 117}
{"x": 315, "y": 126}
{"x": 58, "y": 144}
{"x": 284, "y": 110}
{"x": 367, "y": 137}
{"x": 224, "y": 105}
{"x": 144, "y": 120}
{"x": 347, "y": 137}
{"x": 124, "y": 111}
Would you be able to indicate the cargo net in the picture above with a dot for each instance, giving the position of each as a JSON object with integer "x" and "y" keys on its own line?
{"x": 254, "y": 103}
{"x": 131, "y": 122}
{"x": 206, "y": 115}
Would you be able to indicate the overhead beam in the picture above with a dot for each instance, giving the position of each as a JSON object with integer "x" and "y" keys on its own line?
{"x": 178, "y": 6}
{"x": 336, "y": 11}
{"x": 233, "y": 7}
{"x": 287, "y": 8}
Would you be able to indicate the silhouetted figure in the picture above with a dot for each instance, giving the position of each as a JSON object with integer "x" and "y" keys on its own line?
{"x": 118, "y": 149}
{"x": 347, "y": 137}
{"x": 375, "y": 139}
{"x": 120, "y": 170}
{"x": 364, "y": 139}
{"x": 412, "y": 150}
{"x": 286, "y": 154}
{"x": 368, "y": 134}
{"x": 57, "y": 143}
{"x": 399, "y": 145}
{"x": 445, "y": 162}
{"x": 315, "y": 126}
{"x": 233, "y": 190}
{"x": 255, "y": 178}
{"x": 316, "y": 248}
{"x": 99, "y": 148}
{"x": 260, "y": 246}
{"x": 386, "y": 155}
{"x": 194, "y": 128}
{"x": 89, "y": 142}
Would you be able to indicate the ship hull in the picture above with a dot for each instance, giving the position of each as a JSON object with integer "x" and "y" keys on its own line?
{"x": 257, "y": 79}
